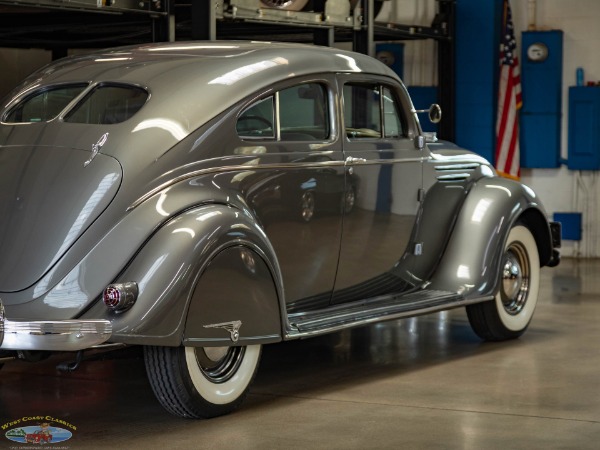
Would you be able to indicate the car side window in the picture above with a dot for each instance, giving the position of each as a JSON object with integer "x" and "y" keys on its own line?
{"x": 44, "y": 105}
{"x": 362, "y": 115}
{"x": 301, "y": 111}
{"x": 303, "y": 114}
{"x": 257, "y": 121}
{"x": 371, "y": 111}
{"x": 108, "y": 104}
{"x": 392, "y": 122}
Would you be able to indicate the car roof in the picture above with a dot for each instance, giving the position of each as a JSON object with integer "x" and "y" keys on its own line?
{"x": 293, "y": 59}
{"x": 190, "y": 83}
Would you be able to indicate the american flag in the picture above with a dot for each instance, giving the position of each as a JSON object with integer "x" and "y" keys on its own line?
{"x": 509, "y": 102}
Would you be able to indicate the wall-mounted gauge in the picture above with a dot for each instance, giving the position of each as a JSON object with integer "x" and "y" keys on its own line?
{"x": 537, "y": 52}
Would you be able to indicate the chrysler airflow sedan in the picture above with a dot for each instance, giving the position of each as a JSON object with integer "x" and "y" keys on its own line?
{"x": 204, "y": 199}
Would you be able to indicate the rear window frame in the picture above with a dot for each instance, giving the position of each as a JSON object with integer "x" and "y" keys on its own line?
{"x": 89, "y": 88}
{"x": 19, "y": 102}
{"x": 90, "y": 91}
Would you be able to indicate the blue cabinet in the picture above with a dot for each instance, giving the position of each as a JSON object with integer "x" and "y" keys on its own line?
{"x": 542, "y": 100}
{"x": 584, "y": 128}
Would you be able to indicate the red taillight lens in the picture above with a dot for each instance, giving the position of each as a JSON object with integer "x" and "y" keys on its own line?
{"x": 120, "y": 296}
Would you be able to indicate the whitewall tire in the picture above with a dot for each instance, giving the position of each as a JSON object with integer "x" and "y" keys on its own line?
{"x": 511, "y": 311}
{"x": 201, "y": 382}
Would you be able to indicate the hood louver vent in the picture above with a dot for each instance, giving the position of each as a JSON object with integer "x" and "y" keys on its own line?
{"x": 455, "y": 172}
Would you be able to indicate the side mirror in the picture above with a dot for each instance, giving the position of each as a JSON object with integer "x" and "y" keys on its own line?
{"x": 434, "y": 111}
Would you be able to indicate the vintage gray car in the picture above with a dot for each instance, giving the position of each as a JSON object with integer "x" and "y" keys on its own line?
{"x": 204, "y": 199}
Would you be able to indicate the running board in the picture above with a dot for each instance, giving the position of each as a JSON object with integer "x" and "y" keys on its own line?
{"x": 377, "y": 309}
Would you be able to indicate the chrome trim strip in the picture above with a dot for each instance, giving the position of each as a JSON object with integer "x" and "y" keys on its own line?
{"x": 212, "y": 342}
{"x": 60, "y": 335}
{"x": 2, "y": 320}
{"x": 234, "y": 168}
{"x": 277, "y": 118}
{"x": 295, "y": 334}
{"x": 454, "y": 177}
{"x": 447, "y": 167}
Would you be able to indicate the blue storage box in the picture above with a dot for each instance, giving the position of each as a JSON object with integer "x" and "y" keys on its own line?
{"x": 571, "y": 225}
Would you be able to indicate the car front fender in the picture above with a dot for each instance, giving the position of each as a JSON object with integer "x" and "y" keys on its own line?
{"x": 169, "y": 271}
{"x": 470, "y": 262}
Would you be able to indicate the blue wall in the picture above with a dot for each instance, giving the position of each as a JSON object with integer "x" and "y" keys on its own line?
{"x": 423, "y": 97}
{"x": 478, "y": 24}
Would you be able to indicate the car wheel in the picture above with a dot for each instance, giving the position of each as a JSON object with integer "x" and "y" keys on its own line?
{"x": 289, "y": 5}
{"x": 201, "y": 382}
{"x": 307, "y": 206}
{"x": 509, "y": 314}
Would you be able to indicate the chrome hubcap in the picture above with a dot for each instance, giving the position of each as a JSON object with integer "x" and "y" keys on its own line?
{"x": 219, "y": 364}
{"x": 515, "y": 279}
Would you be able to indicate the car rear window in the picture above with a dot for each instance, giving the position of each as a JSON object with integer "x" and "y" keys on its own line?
{"x": 44, "y": 105}
{"x": 108, "y": 104}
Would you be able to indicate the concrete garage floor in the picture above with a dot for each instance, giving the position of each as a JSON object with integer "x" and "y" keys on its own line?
{"x": 416, "y": 383}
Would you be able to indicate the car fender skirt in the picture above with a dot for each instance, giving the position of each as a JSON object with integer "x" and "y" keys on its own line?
{"x": 169, "y": 271}
{"x": 234, "y": 302}
{"x": 52, "y": 335}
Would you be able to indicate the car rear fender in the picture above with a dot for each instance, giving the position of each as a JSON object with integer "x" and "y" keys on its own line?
{"x": 470, "y": 262}
{"x": 190, "y": 264}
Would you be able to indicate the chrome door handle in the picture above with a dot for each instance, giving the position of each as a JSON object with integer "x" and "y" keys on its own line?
{"x": 352, "y": 160}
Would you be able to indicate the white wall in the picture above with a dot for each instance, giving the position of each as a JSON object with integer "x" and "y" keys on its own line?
{"x": 420, "y": 56}
{"x": 563, "y": 190}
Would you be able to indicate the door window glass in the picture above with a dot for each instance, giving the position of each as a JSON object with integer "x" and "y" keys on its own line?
{"x": 391, "y": 118}
{"x": 303, "y": 113}
{"x": 257, "y": 121}
{"x": 362, "y": 111}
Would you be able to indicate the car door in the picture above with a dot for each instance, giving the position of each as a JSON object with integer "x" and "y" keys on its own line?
{"x": 297, "y": 183}
{"x": 384, "y": 172}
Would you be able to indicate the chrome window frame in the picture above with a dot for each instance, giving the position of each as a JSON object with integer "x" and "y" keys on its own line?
{"x": 329, "y": 84}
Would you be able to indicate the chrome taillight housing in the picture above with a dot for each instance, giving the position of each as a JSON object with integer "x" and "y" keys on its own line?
{"x": 120, "y": 297}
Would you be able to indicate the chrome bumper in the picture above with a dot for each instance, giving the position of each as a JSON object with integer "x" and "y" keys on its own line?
{"x": 59, "y": 335}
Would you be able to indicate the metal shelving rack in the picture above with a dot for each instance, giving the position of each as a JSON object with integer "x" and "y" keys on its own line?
{"x": 58, "y": 25}
{"x": 329, "y": 23}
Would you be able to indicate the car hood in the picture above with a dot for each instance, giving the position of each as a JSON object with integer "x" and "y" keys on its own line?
{"x": 49, "y": 196}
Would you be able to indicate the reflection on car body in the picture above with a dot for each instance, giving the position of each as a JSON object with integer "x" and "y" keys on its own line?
{"x": 205, "y": 199}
